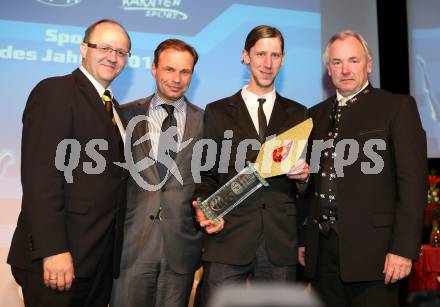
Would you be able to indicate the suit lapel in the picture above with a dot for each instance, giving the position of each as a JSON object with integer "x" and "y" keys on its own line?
{"x": 192, "y": 124}
{"x": 139, "y": 131}
{"x": 243, "y": 120}
{"x": 118, "y": 110}
{"x": 92, "y": 98}
{"x": 278, "y": 116}
{"x": 322, "y": 119}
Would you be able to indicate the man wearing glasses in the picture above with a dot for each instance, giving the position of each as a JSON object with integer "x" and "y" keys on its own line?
{"x": 67, "y": 244}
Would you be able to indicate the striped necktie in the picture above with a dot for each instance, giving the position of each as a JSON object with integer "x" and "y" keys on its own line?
{"x": 107, "y": 99}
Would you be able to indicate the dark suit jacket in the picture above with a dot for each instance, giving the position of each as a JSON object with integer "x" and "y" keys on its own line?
{"x": 182, "y": 239}
{"x": 57, "y": 216}
{"x": 378, "y": 213}
{"x": 270, "y": 210}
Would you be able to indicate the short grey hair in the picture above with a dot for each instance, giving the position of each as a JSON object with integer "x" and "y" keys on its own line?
{"x": 341, "y": 36}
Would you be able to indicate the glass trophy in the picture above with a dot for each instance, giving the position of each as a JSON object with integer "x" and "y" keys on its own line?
{"x": 276, "y": 157}
{"x": 232, "y": 193}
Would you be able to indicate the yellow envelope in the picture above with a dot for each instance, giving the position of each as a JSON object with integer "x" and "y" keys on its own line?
{"x": 279, "y": 154}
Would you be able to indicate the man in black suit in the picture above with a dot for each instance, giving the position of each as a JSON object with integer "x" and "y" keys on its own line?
{"x": 162, "y": 245}
{"x": 258, "y": 241}
{"x": 365, "y": 219}
{"x": 66, "y": 247}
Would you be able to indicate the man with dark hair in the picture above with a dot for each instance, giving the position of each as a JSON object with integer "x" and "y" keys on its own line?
{"x": 66, "y": 247}
{"x": 365, "y": 221}
{"x": 175, "y": 44}
{"x": 257, "y": 240}
{"x": 260, "y": 32}
{"x": 162, "y": 245}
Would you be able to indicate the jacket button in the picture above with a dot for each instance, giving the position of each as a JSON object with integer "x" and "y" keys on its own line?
{"x": 263, "y": 206}
{"x": 151, "y": 217}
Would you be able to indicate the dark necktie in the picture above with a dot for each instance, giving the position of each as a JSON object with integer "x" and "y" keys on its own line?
{"x": 262, "y": 122}
{"x": 107, "y": 98}
{"x": 167, "y": 142}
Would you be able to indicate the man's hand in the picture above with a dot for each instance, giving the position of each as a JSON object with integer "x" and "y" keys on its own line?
{"x": 58, "y": 271}
{"x": 301, "y": 255}
{"x": 208, "y": 225}
{"x": 396, "y": 267}
{"x": 300, "y": 171}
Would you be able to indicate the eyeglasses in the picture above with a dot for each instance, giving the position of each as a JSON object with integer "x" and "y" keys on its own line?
{"x": 107, "y": 49}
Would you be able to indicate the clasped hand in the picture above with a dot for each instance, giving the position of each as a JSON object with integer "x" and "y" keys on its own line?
{"x": 204, "y": 222}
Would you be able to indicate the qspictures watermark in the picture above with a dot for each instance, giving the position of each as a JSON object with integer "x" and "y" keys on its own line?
{"x": 205, "y": 154}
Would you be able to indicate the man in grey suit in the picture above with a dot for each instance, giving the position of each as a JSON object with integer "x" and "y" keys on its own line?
{"x": 162, "y": 245}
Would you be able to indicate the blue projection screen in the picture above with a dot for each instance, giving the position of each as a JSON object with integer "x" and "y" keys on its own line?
{"x": 40, "y": 38}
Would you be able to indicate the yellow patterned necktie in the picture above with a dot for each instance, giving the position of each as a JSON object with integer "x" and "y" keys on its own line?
{"x": 107, "y": 98}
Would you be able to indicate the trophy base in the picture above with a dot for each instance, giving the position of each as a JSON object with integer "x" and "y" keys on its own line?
{"x": 232, "y": 193}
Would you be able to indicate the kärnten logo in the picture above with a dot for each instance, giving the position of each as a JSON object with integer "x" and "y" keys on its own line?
{"x": 59, "y": 2}
{"x": 167, "y": 9}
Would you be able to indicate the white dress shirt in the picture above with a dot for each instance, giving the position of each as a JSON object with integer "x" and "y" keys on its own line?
{"x": 342, "y": 100}
{"x": 156, "y": 116}
{"x": 252, "y": 104}
{"x": 100, "y": 89}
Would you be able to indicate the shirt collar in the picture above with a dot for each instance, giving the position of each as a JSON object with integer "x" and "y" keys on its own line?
{"x": 157, "y": 101}
{"x": 347, "y": 98}
{"x": 252, "y": 98}
{"x": 99, "y": 88}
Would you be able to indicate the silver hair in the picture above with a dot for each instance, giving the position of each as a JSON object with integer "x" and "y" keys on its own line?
{"x": 341, "y": 36}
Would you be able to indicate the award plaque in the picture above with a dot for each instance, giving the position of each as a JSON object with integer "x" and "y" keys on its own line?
{"x": 232, "y": 193}
{"x": 276, "y": 157}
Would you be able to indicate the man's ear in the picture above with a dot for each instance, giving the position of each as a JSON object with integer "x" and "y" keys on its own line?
{"x": 245, "y": 58}
{"x": 83, "y": 49}
{"x": 153, "y": 70}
